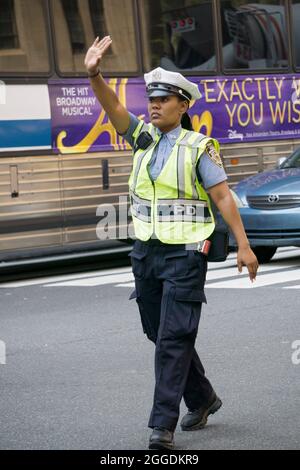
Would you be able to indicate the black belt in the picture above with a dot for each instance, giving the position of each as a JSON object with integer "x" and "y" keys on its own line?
{"x": 157, "y": 242}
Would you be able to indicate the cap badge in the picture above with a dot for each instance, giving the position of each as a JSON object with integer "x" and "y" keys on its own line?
{"x": 156, "y": 75}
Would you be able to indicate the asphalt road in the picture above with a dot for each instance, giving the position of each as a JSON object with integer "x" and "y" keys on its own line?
{"x": 79, "y": 371}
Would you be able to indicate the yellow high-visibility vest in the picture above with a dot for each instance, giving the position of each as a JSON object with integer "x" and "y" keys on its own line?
{"x": 175, "y": 207}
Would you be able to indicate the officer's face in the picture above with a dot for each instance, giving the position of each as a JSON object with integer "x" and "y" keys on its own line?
{"x": 165, "y": 112}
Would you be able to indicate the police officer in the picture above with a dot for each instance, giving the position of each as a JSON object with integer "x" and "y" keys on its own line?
{"x": 174, "y": 168}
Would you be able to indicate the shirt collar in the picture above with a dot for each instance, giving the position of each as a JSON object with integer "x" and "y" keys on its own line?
{"x": 173, "y": 135}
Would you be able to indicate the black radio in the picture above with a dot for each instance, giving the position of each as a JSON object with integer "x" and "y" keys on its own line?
{"x": 143, "y": 141}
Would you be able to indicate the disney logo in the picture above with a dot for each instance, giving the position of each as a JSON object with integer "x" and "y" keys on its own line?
{"x": 232, "y": 134}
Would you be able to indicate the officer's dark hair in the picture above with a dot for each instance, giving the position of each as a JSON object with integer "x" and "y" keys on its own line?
{"x": 186, "y": 122}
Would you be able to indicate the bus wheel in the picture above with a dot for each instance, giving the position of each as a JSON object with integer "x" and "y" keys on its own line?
{"x": 264, "y": 253}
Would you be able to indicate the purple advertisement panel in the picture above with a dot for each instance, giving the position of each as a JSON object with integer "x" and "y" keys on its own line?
{"x": 231, "y": 109}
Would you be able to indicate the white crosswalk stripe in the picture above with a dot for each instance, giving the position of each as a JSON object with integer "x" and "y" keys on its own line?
{"x": 242, "y": 281}
{"x": 284, "y": 268}
{"x": 261, "y": 280}
{"x": 95, "y": 281}
{"x": 65, "y": 277}
{"x": 292, "y": 287}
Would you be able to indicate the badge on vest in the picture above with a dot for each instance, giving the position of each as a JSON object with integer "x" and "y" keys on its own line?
{"x": 214, "y": 155}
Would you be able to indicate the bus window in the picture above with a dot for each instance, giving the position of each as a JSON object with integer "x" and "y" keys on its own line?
{"x": 296, "y": 31}
{"x": 178, "y": 34}
{"x": 23, "y": 37}
{"x": 76, "y": 24}
{"x": 254, "y": 34}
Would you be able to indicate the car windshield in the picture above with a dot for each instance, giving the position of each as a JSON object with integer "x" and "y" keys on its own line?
{"x": 293, "y": 161}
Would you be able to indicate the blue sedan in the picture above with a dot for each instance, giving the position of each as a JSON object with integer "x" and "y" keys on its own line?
{"x": 269, "y": 205}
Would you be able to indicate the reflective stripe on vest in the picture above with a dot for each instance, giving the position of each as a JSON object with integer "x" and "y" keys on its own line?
{"x": 140, "y": 208}
{"x": 183, "y": 210}
{"x": 190, "y": 137}
{"x": 151, "y": 130}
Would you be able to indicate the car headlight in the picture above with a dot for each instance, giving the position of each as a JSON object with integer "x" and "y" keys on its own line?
{"x": 237, "y": 200}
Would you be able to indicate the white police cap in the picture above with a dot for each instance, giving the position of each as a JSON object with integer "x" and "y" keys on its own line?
{"x": 160, "y": 82}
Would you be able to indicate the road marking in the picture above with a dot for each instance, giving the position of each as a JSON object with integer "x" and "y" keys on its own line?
{"x": 233, "y": 272}
{"x": 94, "y": 281}
{"x": 65, "y": 277}
{"x": 128, "y": 277}
{"x": 283, "y": 274}
{"x": 127, "y": 284}
{"x": 261, "y": 281}
{"x": 283, "y": 264}
{"x": 292, "y": 287}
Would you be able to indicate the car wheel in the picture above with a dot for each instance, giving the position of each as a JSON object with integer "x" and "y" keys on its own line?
{"x": 264, "y": 253}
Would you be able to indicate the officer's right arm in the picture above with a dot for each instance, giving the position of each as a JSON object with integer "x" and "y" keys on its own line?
{"x": 117, "y": 114}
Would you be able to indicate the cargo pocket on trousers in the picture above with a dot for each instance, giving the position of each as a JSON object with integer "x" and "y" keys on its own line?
{"x": 138, "y": 264}
{"x": 146, "y": 325}
{"x": 184, "y": 313}
{"x": 188, "y": 294}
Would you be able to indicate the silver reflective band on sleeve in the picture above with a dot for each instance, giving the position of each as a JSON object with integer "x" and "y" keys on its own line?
{"x": 140, "y": 208}
{"x": 183, "y": 210}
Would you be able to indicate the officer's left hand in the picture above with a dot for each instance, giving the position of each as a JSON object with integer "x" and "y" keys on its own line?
{"x": 246, "y": 257}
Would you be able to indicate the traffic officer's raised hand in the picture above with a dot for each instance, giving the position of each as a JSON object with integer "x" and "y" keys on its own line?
{"x": 95, "y": 53}
{"x": 246, "y": 257}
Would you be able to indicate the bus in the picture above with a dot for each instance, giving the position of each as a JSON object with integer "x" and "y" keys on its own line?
{"x": 63, "y": 166}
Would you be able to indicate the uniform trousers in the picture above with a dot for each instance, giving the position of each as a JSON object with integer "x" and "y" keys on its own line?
{"x": 169, "y": 290}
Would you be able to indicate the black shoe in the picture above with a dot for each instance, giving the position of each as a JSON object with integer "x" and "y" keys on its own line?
{"x": 197, "y": 419}
{"x": 161, "y": 438}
